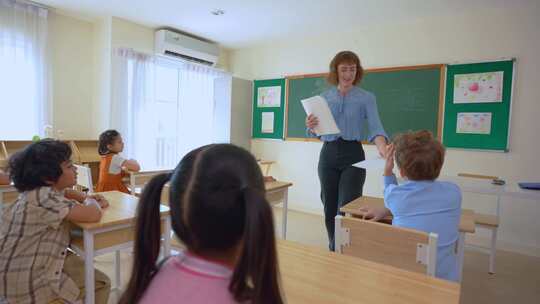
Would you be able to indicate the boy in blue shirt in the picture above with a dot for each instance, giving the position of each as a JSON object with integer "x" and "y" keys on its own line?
{"x": 422, "y": 203}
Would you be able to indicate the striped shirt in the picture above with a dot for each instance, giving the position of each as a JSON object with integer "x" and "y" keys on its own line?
{"x": 33, "y": 242}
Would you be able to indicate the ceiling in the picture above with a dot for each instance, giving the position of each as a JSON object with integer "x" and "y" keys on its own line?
{"x": 250, "y": 22}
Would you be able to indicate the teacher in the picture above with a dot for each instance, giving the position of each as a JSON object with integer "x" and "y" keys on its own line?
{"x": 353, "y": 109}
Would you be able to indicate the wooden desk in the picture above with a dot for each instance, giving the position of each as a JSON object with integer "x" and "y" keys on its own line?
{"x": 276, "y": 192}
{"x": 112, "y": 233}
{"x": 316, "y": 276}
{"x": 466, "y": 224}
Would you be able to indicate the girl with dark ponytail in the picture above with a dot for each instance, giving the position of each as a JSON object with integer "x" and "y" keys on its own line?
{"x": 219, "y": 211}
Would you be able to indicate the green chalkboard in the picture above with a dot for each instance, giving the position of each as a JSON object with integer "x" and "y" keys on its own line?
{"x": 408, "y": 98}
{"x": 268, "y": 108}
{"x": 477, "y": 105}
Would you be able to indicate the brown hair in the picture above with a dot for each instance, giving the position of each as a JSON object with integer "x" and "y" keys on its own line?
{"x": 347, "y": 57}
{"x": 419, "y": 155}
{"x": 217, "y": 201}
{"x": 106, "y": 138}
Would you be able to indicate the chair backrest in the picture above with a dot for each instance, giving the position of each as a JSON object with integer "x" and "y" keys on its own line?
{"x": 84, "y": 177}
{"x": 386, "y": 244}
{"x": 137, "y": 180}
{"x": 265, "y": 166}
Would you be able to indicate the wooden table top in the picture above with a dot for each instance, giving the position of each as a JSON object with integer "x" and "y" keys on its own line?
{"x": 275, "y": 185}
{"x": 313, "y": 275}
{"x": 122, "y": 209}
{"x": 466, "y": 223}
{"x": 8, "y": 187}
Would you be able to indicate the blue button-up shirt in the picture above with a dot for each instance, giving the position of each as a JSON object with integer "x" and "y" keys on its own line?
{"x": 353, "y": 113}
{"x": 429, "y": 206}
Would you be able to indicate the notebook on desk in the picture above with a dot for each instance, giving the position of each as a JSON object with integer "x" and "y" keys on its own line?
{"x": 530, "y": 186}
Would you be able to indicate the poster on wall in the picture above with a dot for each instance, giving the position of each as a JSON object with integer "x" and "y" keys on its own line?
{"x": 474, "y": 123}
{"x": 478, "y": 87}
{"x": 269, "y": 97}
{"x": 267, "y": 122}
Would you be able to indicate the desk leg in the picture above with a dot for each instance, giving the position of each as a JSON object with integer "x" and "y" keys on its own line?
{"x": 89, "y": 283}
{"x": 284, "y": 214}
{"x": 118, "y": 277}
{"x": 167, "y": 237}
{"x": 461, "y": 254}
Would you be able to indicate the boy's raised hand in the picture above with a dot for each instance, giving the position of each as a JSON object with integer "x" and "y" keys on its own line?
{"x": 389, "y": 166}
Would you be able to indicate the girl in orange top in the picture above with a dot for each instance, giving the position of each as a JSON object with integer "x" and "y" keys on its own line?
{"x": 111, "y": 164}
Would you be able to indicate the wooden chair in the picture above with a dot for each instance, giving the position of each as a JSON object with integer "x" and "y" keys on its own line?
{"x": 488, "y": 221}
{"x": 403, "y": 248}
{"x": 265, "y": 166}
{"x": 84, "y": 178}
{"x": 137, "y": 180}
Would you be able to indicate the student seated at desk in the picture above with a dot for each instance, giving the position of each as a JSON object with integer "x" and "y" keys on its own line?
{"x": 35, "y": 264}
{"x": 112, "y": 164}
{"x": 219, "y": 211}
{"x": 422, "y": 203}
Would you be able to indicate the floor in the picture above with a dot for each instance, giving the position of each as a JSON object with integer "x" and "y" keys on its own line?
{"x": 517, "y": 278}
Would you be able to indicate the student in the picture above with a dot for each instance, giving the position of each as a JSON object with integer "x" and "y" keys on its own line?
{"x": 422, "y": 203}
{"x": 35, "y": 265}
{"x": 4, "y": 178}
{"x": 219, "y": 211}
{"x": 111, "y": 164}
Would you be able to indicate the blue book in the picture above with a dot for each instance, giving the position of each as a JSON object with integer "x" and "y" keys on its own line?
{"x": 530, "y": 186}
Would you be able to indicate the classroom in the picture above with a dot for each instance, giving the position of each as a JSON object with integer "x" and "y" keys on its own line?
{"x": 172, "y": 76}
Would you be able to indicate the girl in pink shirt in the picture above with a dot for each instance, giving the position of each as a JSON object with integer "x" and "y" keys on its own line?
{"x": 219, "y": 211}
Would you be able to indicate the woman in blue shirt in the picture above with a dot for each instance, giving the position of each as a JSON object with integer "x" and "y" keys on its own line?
{"x": 356, "y": 115}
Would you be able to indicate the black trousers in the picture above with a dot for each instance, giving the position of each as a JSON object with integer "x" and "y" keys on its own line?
{"x": 340, "y": 182}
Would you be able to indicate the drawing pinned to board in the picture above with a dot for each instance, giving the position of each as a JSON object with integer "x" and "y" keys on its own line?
{"x": 478, "y": 87}
{"x": 267, "y": 125}
{"x": 474, "y": 123}
{"x": 269, "y": 97}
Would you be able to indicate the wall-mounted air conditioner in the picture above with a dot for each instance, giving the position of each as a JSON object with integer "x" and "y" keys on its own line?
{"x": 178, "y": 45}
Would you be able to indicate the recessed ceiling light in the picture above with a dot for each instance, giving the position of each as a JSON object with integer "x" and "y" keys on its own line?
{"x": 217, "y": 12}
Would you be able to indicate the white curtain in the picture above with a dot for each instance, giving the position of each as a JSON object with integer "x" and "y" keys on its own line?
{"x": 25, "y": 97}
{"x": 162, "y": 107}
{"x": 196, "y": 108}
{"x": 132, "y": 113}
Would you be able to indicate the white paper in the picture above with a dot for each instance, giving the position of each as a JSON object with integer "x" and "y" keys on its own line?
{"x": 317, "y": 106}
{"x": 267, "y": 122}
{"x": 473, "y": 123}
{"x": 377, "y": 163}
{"x": 269, "y": 97}
{"x": 478, "y": 87}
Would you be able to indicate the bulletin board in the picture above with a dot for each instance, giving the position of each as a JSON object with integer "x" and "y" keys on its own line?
{"x": 478, "y": 105}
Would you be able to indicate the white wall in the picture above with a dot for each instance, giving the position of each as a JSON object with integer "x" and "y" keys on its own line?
{"x": 474, "y": 35}
{"x": 102, "y": 76}
{"x": 241, "y": 106}
{"x": 72, "y": 60}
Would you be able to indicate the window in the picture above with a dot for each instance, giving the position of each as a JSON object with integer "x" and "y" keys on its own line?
{"x": 23, "y": 85}
{"x": 177, "y": 113}
{"x": 17, "y": 95}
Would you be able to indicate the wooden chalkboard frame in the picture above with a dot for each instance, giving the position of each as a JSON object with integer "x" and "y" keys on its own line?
{"x": 440, "y": 66}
